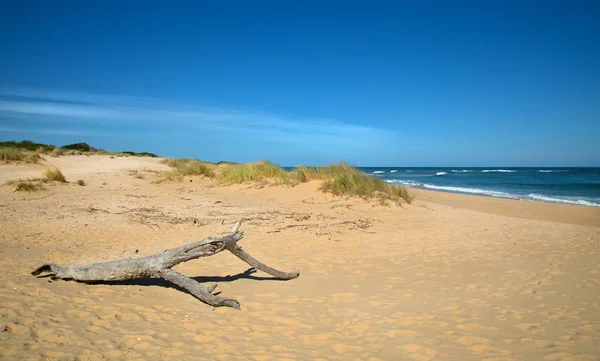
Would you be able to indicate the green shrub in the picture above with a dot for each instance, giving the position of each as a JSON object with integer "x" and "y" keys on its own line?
{"x": 82, "y": 147}
{"x": 28, "y": 145}
{"x": 81, "y": 182}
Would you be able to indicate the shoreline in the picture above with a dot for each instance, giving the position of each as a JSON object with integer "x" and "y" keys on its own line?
{"x": 526, "y": 209}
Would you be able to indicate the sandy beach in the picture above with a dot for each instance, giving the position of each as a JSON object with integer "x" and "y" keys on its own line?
{"x": 449, "y": 277}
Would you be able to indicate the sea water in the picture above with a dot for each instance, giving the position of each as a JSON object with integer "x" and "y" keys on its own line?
{"x": 580, "y": 186}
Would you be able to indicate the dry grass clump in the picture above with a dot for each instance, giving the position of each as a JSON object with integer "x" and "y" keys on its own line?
{"x": 57, "y": 152}
{"x": 261, "y": 171}
{"x": 309, "y": 173}
{"x": 187, "y": 167}
{"x": 352, "y": 182}
{"x": 342, "y": 179}
{"x": 27, "y": 185}
{"x": 54, "y": 174}
{"x": 81, "y": 182}
{"x": 12, "y": 154}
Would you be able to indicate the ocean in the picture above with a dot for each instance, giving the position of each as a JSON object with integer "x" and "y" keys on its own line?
{"x": 580, "y": 186}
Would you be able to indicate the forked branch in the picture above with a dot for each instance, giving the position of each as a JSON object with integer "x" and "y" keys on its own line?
{"x": 159, "y": 266}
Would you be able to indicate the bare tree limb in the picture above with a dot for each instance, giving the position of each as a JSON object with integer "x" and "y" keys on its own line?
{"x": 159, "y": 266}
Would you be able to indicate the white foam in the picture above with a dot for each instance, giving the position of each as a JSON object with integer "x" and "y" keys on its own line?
{"x": 378, "y": 172}
{"x": 393, "y": 171}
{"x": 405, "y": 183}
{"x": 551, "y": 171}
{"x": 471, "y": 191}
{"x": 461, "y": 171}
{"x": 498, "y": 171}
{"x": 498, "y": 194}
{"x": 441, "y": 173}
{"x": 569, "y": 200}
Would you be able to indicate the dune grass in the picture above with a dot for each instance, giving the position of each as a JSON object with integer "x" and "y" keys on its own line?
{"x": 13, "y": 154}
{"x": 81, "y": 182}
{"x": 261, "y": 171}
{"x": 54, "y": 174}
{"x": 187, "y": 167}
{"x": 340, "y": 179}
{"x": 349, "y": 181}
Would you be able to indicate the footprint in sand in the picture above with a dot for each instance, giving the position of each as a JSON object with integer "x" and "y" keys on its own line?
{"x": 472, "y": 327}
{"x": 530, "y": 327}
{"x": 419, "y": 353}
{"x": 472, "y": 340}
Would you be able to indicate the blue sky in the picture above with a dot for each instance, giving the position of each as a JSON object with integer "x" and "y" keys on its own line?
{"x": 398, "y": 83}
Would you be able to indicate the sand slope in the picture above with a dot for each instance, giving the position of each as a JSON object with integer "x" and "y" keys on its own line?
{"x": 430, "y": 281}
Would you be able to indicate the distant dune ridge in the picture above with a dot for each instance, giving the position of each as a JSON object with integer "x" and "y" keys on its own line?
{"x": 448, "y": 276}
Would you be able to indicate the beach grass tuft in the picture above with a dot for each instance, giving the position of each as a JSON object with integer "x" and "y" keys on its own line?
{"x": 54, "y": 174}
{"x": 81, "y": 182}
{"x": 261, "y": 171}
{"x": 344, "y": 180}
{"x": 27, "y": 185}
{"x": 13, "y": 154}
{"x": 187, "y": 167}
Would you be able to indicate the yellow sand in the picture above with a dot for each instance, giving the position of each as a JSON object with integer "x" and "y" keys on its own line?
{"x": 450, "y": 277}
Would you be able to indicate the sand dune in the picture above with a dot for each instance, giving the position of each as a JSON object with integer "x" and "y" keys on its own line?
{"x": 450, "y": 277}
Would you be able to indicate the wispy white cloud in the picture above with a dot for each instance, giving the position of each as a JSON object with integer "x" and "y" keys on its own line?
{"x": 59, "y": 109}
{"x": 143, "y": 112}
{"x": 63, "y": 131}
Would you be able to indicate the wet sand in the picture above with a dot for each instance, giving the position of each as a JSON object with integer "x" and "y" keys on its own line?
{"x": 450, "y": 277}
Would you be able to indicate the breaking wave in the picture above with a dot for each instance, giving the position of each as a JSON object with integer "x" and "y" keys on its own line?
{"x": 472, "y": 191}
{"x": 566, "y": 200}
{"x": 498, "y": 194}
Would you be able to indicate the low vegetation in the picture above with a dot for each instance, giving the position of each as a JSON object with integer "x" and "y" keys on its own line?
{"x": 28, "y": 151}
{"x": 187, "y": 167}
{"x": 27, "y": 185}
{"x": 28, "y": 145}
{"x": 261, "y": 171}
{"x": 81, "y": 182}
{"x": 141, "y": 154}
{"x": 12, "y": 154}
{"x": 339, "y": 179}
{"x": 54, "y": 174}
{"x": 346, "y": 180}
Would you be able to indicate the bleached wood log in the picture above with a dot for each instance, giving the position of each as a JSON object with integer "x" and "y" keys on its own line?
{"x": 159, "y": 266}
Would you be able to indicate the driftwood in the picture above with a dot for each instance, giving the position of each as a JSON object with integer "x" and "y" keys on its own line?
{"x": 159, "y": 265}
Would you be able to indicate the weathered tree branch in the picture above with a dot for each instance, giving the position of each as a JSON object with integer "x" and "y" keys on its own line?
{"x": 159, "y": 266}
